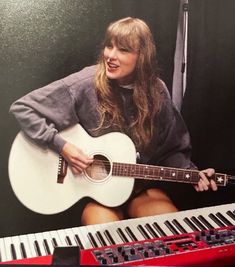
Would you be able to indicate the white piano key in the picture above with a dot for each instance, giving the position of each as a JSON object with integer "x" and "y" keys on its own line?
{"x": 3, "y": 257}
{"x": 133, "y": 225}
{"x": 111, "y": 228}
{"x": 48, "y": 238}
{"x": 161, "y": 222}
{"x": 228, "y": 217}
{"x": 195, "y": 214}
{"x": 205, "y": 214}
{"x": 95, "y": 229}
{"x": 108, "y": 228}
{"x": 82, "y": 233}
{"x": 24, "y": 239}
{"x": 39, "y": 238}
{"x": 90, "y": 233}
{"x": 16, "y": 241}
{"x": 32, "y": 239}
{"x": 76, "y": 232}
{"x": 62, "y": 236}
{"x": 182, "y": 223}
{"x": 70, "y": 234}
{"x": 120, "y": 226}
{"x": 8, "y": 243}
{"x": 134, "y": 233}
{"x": 54, "y": 235}
{"x": 231, "y": 215}
{"x": 180, "y": 218}
{"x": 213, "y": 210}
{"x": 78, "y": 239}
{"x": 231, "y": 220}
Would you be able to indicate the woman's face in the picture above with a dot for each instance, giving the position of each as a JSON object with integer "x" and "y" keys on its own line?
{"x": 120, "y": 63}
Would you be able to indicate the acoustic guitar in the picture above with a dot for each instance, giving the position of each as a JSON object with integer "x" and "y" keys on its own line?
{"x": 43, "y": 182}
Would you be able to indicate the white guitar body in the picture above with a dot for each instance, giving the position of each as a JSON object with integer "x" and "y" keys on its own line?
{"x": 33, "y": 172}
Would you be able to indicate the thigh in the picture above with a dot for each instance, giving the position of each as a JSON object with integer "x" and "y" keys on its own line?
{"x": 150, "y": 202}
{"x": 95, "y": 213}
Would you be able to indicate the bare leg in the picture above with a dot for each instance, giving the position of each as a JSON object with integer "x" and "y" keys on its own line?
{"x": 95, "y": 213}
{"x": 151, "y": 202}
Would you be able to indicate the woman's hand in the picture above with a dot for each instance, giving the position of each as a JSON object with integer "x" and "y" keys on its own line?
{"x": 77, "y": 160}
{"x": 204, "y": 184}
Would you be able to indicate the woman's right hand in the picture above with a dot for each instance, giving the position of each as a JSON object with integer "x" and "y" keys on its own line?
{"x": 77, "y": 160}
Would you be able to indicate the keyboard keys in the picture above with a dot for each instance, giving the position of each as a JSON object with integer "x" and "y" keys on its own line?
{"x": 100, "y": 235}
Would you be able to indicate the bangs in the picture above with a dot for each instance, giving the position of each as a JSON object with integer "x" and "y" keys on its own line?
{"x": 122, "y": 37}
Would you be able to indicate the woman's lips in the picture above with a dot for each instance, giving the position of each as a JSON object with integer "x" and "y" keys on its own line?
{"x": 112, "y": 65}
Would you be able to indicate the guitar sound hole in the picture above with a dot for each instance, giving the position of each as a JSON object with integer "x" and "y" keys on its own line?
{"x": 100, "y": 168}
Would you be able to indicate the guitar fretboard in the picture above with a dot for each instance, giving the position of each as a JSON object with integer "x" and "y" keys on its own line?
{"x": 150, "y": 172}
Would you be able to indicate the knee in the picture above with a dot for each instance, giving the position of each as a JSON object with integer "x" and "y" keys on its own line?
{"x": 162, "y": 203}
{"x": 157, "y": 194}
{"x": 95, "y": 213}
{"x": 151, "y": 202}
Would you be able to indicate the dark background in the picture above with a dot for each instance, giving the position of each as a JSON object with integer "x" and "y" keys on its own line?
{"x": 45, "y": 40}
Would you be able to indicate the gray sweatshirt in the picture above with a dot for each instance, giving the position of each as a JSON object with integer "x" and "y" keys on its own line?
{"x": 44, "y": 112}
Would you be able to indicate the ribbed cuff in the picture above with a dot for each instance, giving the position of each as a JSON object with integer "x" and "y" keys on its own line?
{"x": 57, "y": 143}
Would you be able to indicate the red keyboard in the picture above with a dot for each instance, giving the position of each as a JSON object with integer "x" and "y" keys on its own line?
{"x": 215, "y": 247}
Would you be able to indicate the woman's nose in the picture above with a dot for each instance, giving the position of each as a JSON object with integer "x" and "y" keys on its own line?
{"x": 113, "y": 53}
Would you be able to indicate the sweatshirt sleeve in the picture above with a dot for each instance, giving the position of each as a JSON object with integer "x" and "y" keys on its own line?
{"x": 174, "y": 146}
{"x": 44, "y": 112}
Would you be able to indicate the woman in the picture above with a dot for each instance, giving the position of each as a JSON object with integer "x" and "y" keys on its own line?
{"x": 121, "y": 93}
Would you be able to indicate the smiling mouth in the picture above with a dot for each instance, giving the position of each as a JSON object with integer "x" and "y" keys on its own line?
{"x": 112, "y": 65}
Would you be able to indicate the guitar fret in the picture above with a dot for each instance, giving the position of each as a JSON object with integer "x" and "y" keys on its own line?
{"x": 150, "y": 172}
{"x": 161, "y": 173}
{"x": 195, "y": 176}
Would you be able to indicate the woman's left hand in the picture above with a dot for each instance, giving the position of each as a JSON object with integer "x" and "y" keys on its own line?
{"x": 204, "y": 183}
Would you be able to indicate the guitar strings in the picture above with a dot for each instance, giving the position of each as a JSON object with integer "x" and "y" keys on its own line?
{"x": 138, "y": 174}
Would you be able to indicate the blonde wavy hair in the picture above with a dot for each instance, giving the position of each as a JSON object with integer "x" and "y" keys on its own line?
{"x": 132, "y": 34}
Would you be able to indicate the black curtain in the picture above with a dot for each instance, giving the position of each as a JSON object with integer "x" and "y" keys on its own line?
{"x": 209, "y": 102}
{"x": 45, "y": 40}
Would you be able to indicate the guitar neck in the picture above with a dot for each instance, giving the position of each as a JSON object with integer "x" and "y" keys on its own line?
{"x": 150, "y": 172}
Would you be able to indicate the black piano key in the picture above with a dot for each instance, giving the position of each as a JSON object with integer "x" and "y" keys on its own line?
{"x": 78, "y": 241}
{"x": 198, "y": 223}
{"x": 109, "y": 237}
{"x": 223, "y": 219}
{"x": 230, "y": 214}
{"x": 159, "y": 229}
{"x": 101, "y": 239}
{"x": 92, "y": 240}
{"x": 143, "y": 232}
{"x": 37, "y": 248}
{"x": 171, "y": 227}
{"x": 46, "y": 246}
{"x": 54, "y": 242}
{"x": 122, "y": 235}
{"x": 216, "y": 220}
{"x": 13, "y": 252}
{"x": 131, "y": 234}
{"x": 179, "y": 226}
{"x": 68, "y": 241}
{"x": 190, "y": 224}
{"x": 205, "y": 222}
{"x": 151, "y": 230}
{"x": 23, "y": 251}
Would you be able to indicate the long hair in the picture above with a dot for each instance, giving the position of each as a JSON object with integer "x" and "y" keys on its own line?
{"x": 134, "y": 35}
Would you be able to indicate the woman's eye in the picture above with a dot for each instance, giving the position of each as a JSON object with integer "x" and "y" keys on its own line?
{"x": 122, "y": 49}
{"x": 109, "y": 46}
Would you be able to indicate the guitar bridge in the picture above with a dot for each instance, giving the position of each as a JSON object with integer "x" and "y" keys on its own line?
{"x": 62, "y": 170}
